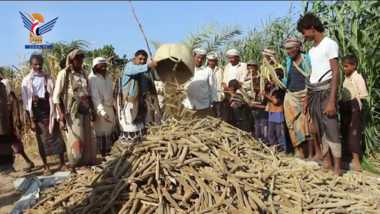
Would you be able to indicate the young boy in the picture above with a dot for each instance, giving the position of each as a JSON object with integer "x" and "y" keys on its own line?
{"x": 322, "y": 89}
{"x": 354, "y": 91}
{"x": 237, "y": 115}
{"x": 276, "y": 133}
{"x": 259, "y": 113}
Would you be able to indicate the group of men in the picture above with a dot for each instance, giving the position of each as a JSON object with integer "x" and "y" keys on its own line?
{"x": 311, "y": 83}
{"x": 308, "y": 107}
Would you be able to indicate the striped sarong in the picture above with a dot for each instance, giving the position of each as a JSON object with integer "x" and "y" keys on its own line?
{"x": 296, "y": 121}
{"x": 327, "y": 128}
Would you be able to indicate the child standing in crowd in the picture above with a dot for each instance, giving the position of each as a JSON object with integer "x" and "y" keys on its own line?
{"x": 276, "y": 133}
{"x": 237, "y": 115}
{"x": 354, "y": 91}
{"x": 259, "y": 113}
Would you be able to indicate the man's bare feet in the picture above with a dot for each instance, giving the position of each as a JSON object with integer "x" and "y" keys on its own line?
{"x": 327, "y": 169}
{"x": 64, "y": 168}
{"x": 337, "y": 172}
{"x": 317, "y": 157}
{"x": 326, "y": 166}
{"x": 47, "y": 172}
{"x": 301, "y": 156}
{"x": 73, "y": 171}
{"x": 84, "y": 168}
{"x": 355, "y": 167}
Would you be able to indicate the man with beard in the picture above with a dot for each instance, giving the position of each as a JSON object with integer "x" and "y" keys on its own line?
{"x": 135, "y": 87}
{"x": 37, "y": 96}
{"x": 234, "y": 70}
{"x": 298, "y": 68}
{"x": 201, "y": 91}
{"x": 322, "y": 89}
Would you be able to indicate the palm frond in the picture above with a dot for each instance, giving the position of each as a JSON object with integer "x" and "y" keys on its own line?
{"x": 156, "y": 44}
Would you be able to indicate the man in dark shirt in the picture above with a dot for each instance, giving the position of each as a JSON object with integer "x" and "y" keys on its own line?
{"x": 298, "y": 68}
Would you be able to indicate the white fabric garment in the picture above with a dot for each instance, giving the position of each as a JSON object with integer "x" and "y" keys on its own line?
{"x": 201, "y": 90}
{"x": 320, "y": 59}
{"x": 160, "y": 91}
{"x": 38, "y": 86}
{"x": 232, "y": 73}
{"x": 8, "y": 87}
{"x": 101, "y": 92}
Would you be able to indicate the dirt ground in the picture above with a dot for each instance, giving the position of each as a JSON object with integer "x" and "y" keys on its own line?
{"x": 8, "y": 196}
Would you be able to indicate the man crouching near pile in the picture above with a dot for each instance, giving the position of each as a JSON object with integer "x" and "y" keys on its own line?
{"x": 135, "y": 86}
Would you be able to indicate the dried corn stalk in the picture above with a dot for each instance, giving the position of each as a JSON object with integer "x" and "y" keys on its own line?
{"x": 207, "y": 166}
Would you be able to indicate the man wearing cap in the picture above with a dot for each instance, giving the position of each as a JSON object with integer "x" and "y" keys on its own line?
{"x": 201, "y": 91}
{"x": 298, "y": 66}
{"x": 212, "y": 63}
{"x": 252, "y": 68}
{"x": 105, "y": 127}
{"x": 248, "y": 85}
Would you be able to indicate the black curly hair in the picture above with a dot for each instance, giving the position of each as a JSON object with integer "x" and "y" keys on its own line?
{"x": 280, "y": 73}
{"x": 308, "y": 21}
{"x": 351, "y": 59}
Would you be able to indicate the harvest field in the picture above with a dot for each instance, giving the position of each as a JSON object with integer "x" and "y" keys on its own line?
{"x": 205, "y": 165}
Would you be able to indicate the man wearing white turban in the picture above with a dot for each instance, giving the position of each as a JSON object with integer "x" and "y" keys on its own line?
{"x": 201, "y": 90}
{"x": 235, "y": 69}
{"x": 212, "y": 63}
{"x": 105, "y": 127}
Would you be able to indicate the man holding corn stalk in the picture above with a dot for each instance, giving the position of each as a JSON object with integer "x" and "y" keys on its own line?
{"x": 298, "y": 68}
{"x": 135, "y": 87}
{"x": 322, "y": 88}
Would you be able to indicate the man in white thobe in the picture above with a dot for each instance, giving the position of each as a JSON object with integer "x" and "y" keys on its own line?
{"x": 201, "y": 90}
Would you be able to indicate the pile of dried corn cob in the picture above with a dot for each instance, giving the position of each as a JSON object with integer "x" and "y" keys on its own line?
{"x": 207, "y": 166}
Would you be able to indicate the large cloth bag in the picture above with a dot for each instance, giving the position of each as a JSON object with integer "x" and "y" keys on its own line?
{"x": 174, "y": 56}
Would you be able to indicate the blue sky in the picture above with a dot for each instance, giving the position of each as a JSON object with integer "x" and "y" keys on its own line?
{"x": 102, "y": 22}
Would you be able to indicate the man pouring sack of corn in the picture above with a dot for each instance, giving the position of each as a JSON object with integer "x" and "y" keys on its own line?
{"x": 132, "y": 102}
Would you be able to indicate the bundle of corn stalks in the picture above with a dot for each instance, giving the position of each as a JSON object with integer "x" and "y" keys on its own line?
{"x": 174, "y": 94}
{"x": 208, "y": 166}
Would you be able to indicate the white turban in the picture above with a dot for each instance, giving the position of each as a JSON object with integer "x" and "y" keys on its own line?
{"x": 200, "y": 51}
{"x": 98, "y": 60}
{"x": 233, "y": 52}
{"x": 212, "y": 56}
